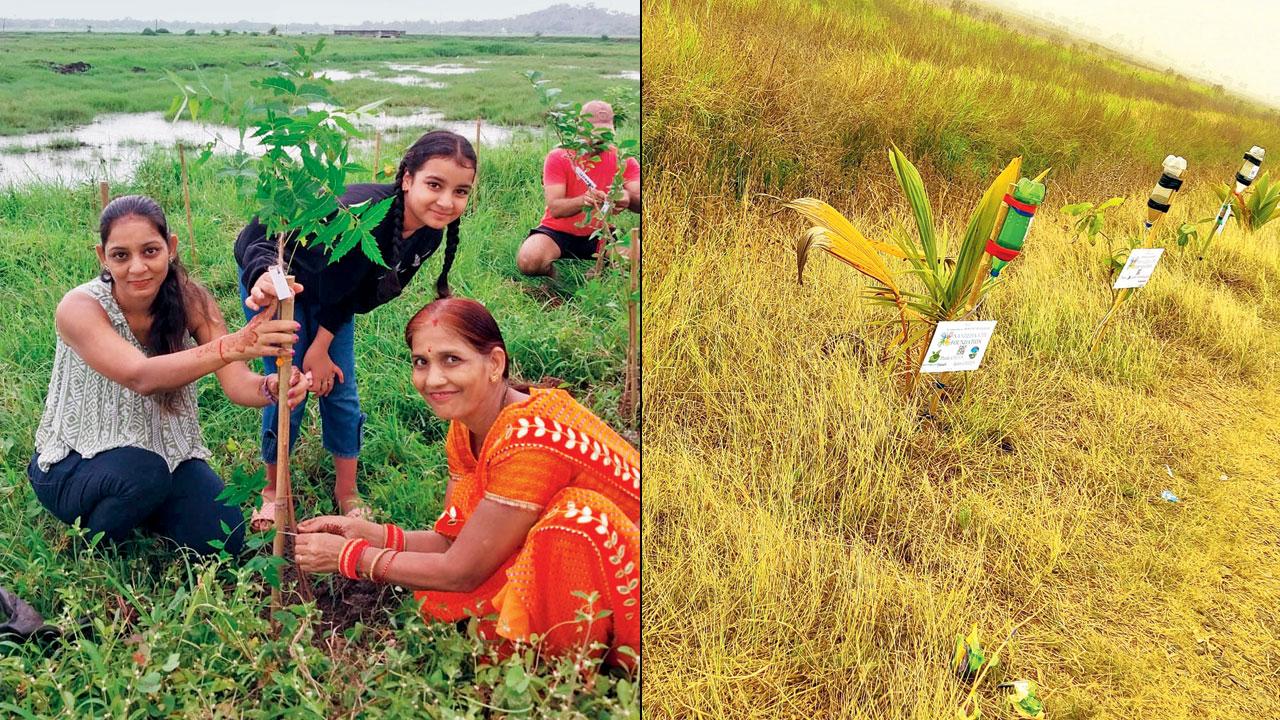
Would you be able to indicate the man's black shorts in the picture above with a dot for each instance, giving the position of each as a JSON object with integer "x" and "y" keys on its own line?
{"x": 573, "y": 247}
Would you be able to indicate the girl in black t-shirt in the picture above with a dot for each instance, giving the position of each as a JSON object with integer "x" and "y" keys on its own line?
{"x": 431, "y": 189}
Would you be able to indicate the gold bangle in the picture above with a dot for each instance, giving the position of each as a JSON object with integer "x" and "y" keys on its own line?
{"x": 385, "y": 568}
{"x": 373, "y": 565}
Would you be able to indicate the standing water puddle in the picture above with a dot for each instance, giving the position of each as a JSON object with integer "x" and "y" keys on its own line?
{"x": 416, "y": 79}
{"x": 112, "y": 146}
{"x": 443, "y": 69}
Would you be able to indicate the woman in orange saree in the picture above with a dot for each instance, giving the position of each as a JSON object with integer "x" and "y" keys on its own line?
{"x": 541, "y": 513}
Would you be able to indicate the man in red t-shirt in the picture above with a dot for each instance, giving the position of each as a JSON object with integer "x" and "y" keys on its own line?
{"x": 562, "y": 233}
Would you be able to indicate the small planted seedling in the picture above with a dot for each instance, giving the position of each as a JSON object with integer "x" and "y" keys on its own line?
{"x": 968, "y": 657}
{"x": 952, "y": 288}
{"x": 295, "y": 191}
{"x": 1234, "y": 201}
{"x": 1090, "y": 219}
{"x": 1260, "y": 203}
{"x": 1172, "y": 170}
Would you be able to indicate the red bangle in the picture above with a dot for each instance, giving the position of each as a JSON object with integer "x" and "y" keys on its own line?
{"x": 394, "y": 537}
{"x": 220, "y": 357}
{"x": 349, "y": 558}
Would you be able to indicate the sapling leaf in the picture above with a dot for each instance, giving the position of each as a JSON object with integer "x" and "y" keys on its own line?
{"x": 172, "y": 112}
{"x": 346, "y": 125}
{"x": 370, "y": 248}
{"x": 279, "y": 84}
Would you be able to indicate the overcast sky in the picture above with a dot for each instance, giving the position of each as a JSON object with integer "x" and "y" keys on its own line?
{"x": 1201, "y": 38}
{"x": 298, "y": 11}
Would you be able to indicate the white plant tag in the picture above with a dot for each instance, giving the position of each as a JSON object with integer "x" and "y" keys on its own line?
{"x": 1137, "y": 270}
{"x": 281, "y": 284}
{"x": 958, "y": 346}
{"x": 584, "y": 177}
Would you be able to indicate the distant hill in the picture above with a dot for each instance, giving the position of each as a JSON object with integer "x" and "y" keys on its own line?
{"x": 562, "y": 20}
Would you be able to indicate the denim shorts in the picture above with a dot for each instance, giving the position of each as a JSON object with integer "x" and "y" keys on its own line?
{"x": 341, "y": 421}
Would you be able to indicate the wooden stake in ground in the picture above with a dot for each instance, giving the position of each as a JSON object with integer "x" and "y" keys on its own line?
{"x": 104, "y": 192}
{"x": 477, "y": 148}
{"x": 631, "y": 390}
{"x": 285, "y": 519}
{"x": 186, "y": 201}
{"x": 377, "y": 155}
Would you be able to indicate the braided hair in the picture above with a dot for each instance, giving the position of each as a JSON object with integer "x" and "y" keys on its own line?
{"x": 437, "y": 143}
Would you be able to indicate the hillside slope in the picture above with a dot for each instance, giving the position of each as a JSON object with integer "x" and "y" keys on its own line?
{"x": 813, "y": 545}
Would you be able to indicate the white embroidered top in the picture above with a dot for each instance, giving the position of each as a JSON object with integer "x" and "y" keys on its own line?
{"x": 89, "y": 413}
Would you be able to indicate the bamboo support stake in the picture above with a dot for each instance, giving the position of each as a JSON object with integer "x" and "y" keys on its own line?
{"x": 477, "y": 148}
{"x": 104, "y": 192}
{"x": 186, "y": 201}
{"x": 984, "y": 271}
{"x": 377, "y": 155}
{"x": 285, "y": 520}
{"x": 632, "y": 382}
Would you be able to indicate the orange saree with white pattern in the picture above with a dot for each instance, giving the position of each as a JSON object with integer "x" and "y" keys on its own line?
{"x": 552, "y": 455}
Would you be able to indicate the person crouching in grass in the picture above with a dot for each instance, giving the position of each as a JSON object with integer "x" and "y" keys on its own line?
{"x": 542, "y": 504}
{"x": 563, "y": 232}
{"x": 118, "y": 445}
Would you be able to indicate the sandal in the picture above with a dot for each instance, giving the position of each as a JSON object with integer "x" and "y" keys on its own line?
{"x": 264, "y": 518}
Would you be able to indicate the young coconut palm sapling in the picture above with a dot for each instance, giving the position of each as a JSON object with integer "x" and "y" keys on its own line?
{"x": 1244, "y": 178}
{"x": 951, "y": 289}
{"x": 1253, "y": 204}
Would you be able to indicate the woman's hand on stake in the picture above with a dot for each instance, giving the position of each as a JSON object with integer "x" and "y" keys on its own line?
{"x": 299, "y": 384}
{"x": 259, "y": 338}
{"x": 323, "y": 371}
{"x": 263, "y": 294}
{"x": 318, "y": 552}
{"x": 347, "y": 527}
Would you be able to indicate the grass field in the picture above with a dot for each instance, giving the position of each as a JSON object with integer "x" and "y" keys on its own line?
{"x": 127, "y": 73}
{"x": 177, "y": 639}
{"x": 813, "y": 545}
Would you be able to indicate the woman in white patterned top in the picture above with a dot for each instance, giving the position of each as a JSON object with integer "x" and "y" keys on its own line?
{"x": 119, "y": 443}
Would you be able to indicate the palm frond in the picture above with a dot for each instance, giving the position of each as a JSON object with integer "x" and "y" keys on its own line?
{"x": 835, "y": 234}
{"x": 913, "y": 187}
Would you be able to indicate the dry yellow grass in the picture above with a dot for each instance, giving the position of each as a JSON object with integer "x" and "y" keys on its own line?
{"x": 813, "y": 546}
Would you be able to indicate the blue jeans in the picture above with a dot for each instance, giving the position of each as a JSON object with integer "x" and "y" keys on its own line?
{"x": 341, "y": 422}
{"x": 119, "y": 490}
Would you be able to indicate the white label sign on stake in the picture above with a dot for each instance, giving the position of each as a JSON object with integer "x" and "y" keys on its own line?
{"x": 958, "y": 346}
{"x": 1137, "y": 270}
{"x": 283, "y": 291}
